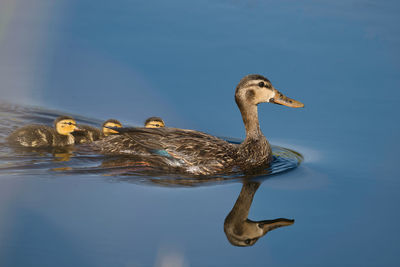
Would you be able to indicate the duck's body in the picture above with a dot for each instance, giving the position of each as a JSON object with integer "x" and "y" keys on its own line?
{"x": 194, "y": 151}
{"x": 200, "y": 153}
{"x": 35, "y": 135}
{"x": 188, "y": 150}
{"x": 88, "y": 134}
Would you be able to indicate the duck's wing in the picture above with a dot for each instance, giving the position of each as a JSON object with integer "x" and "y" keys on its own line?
{"x": 137, "y": 139}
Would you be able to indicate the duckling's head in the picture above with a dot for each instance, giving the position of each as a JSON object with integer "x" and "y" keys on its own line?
{"x": 65, "y": 125}
{"x": 154, "y": 122}
{"x": 246, "y": 233}
{"x": 254, "y": 89}
{"x": 110, "y": 123}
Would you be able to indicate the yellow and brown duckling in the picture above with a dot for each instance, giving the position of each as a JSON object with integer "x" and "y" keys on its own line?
{"x": 35, "y": 135}
{"x": 154, "y": 122}
{"x": 111, "y": 123}
{"x": 89, "y": 134}
{"x": 198, "y": 153}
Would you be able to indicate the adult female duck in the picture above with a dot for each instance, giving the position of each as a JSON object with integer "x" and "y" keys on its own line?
{"x": 198, "y": 153}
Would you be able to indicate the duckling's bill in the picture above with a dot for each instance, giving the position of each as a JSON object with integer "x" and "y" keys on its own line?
{"x": 112, "y": 129}
{"x": 110, "y": 126}
{"x": 281, "y": 99}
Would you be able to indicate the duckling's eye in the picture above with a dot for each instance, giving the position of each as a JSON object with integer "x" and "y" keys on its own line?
{"x": 158, "y": 125}
{"x": 247, "y": 241}
{"x": 261, "y": 84}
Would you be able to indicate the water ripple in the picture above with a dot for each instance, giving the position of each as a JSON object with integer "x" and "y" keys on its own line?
{"x": 56, "y": 162}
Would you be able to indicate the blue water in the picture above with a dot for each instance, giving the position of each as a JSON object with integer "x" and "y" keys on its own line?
{"x": 181, "y": 61}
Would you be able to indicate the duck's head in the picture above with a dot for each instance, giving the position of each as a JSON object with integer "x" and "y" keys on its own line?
{"x": 65, "y": 125}
{"x": 254, "y": 89}
{"x": 246, "y": 233}
{"x": 110, "y": 123}
{"x": 154, "y": 122}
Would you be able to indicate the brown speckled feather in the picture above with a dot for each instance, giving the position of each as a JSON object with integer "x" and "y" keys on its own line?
{"x": 195, "y": 152}
{"x": 38, "y": 136}
{"x": 86, "y": 134}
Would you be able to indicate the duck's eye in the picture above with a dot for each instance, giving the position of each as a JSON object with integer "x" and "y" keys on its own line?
{"x": 261, "y": 84}
{"x": 158, "y": 125}
{"x": 247, "y": 241}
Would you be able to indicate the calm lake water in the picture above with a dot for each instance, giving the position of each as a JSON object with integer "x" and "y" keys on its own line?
{"x": 181, "y": 61}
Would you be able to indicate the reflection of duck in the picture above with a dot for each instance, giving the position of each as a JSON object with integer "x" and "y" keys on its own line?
{"x": 89, "y": 133}
{"x": 154, "y": 122}
{"x": 241, "y": 231}
{"x": 44, "y": 136}
{"x": 199, "y": 153}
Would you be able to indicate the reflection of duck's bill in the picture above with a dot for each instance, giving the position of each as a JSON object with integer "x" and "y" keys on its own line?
{"x": 281, "y": 99}
{"x": 272, "y": 224}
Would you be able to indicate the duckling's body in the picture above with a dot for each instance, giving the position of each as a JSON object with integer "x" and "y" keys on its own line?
{"x": 88, "y": 134}
{"x": 200, "y": 153}
{"x": 44, "y": 136}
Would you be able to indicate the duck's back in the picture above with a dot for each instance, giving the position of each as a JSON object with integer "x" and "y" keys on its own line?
{"x": 195, "y": 152}
{"x": 86, "y": 134}
{"x": 38, "y": 136}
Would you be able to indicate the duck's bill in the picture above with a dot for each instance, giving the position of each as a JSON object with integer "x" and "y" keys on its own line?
{"x": 281, "y": 99}
{"x": 269, "y": 225}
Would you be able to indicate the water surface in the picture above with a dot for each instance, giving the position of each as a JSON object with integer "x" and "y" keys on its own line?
{"x": 181, "y": 61}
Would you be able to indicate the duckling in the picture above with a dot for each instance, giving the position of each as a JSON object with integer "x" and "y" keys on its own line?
{"x": 44, "y": 136}
{"x": 241, "y": 231}
{"x": 199, "y": 153}
{"x": 154, "y": 122}
{"x": 89, "y": 133}
{"x": 111, "y": 123}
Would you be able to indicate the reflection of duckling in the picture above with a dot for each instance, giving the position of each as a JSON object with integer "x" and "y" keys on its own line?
{"x": 154, "y": 122}
{"x": 241, "y": 231}
{"x": 44, "y": 136}
{"x": 89, "y": 133}
{"x": 200, "y": 153}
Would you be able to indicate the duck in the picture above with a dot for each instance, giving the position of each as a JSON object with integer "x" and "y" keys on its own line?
{"x": 243, "y": 232}
{"x": 198, "y": 153}
{"x": 35, "y": 135}
{"x": 88, "y": 134}
{"x": 154, "y": 122}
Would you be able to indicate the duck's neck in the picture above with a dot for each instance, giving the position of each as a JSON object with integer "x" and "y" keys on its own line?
{"x": 255, "y": 149}
{"x": 240, "y": 210}
{"x": 250, "y": 120}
